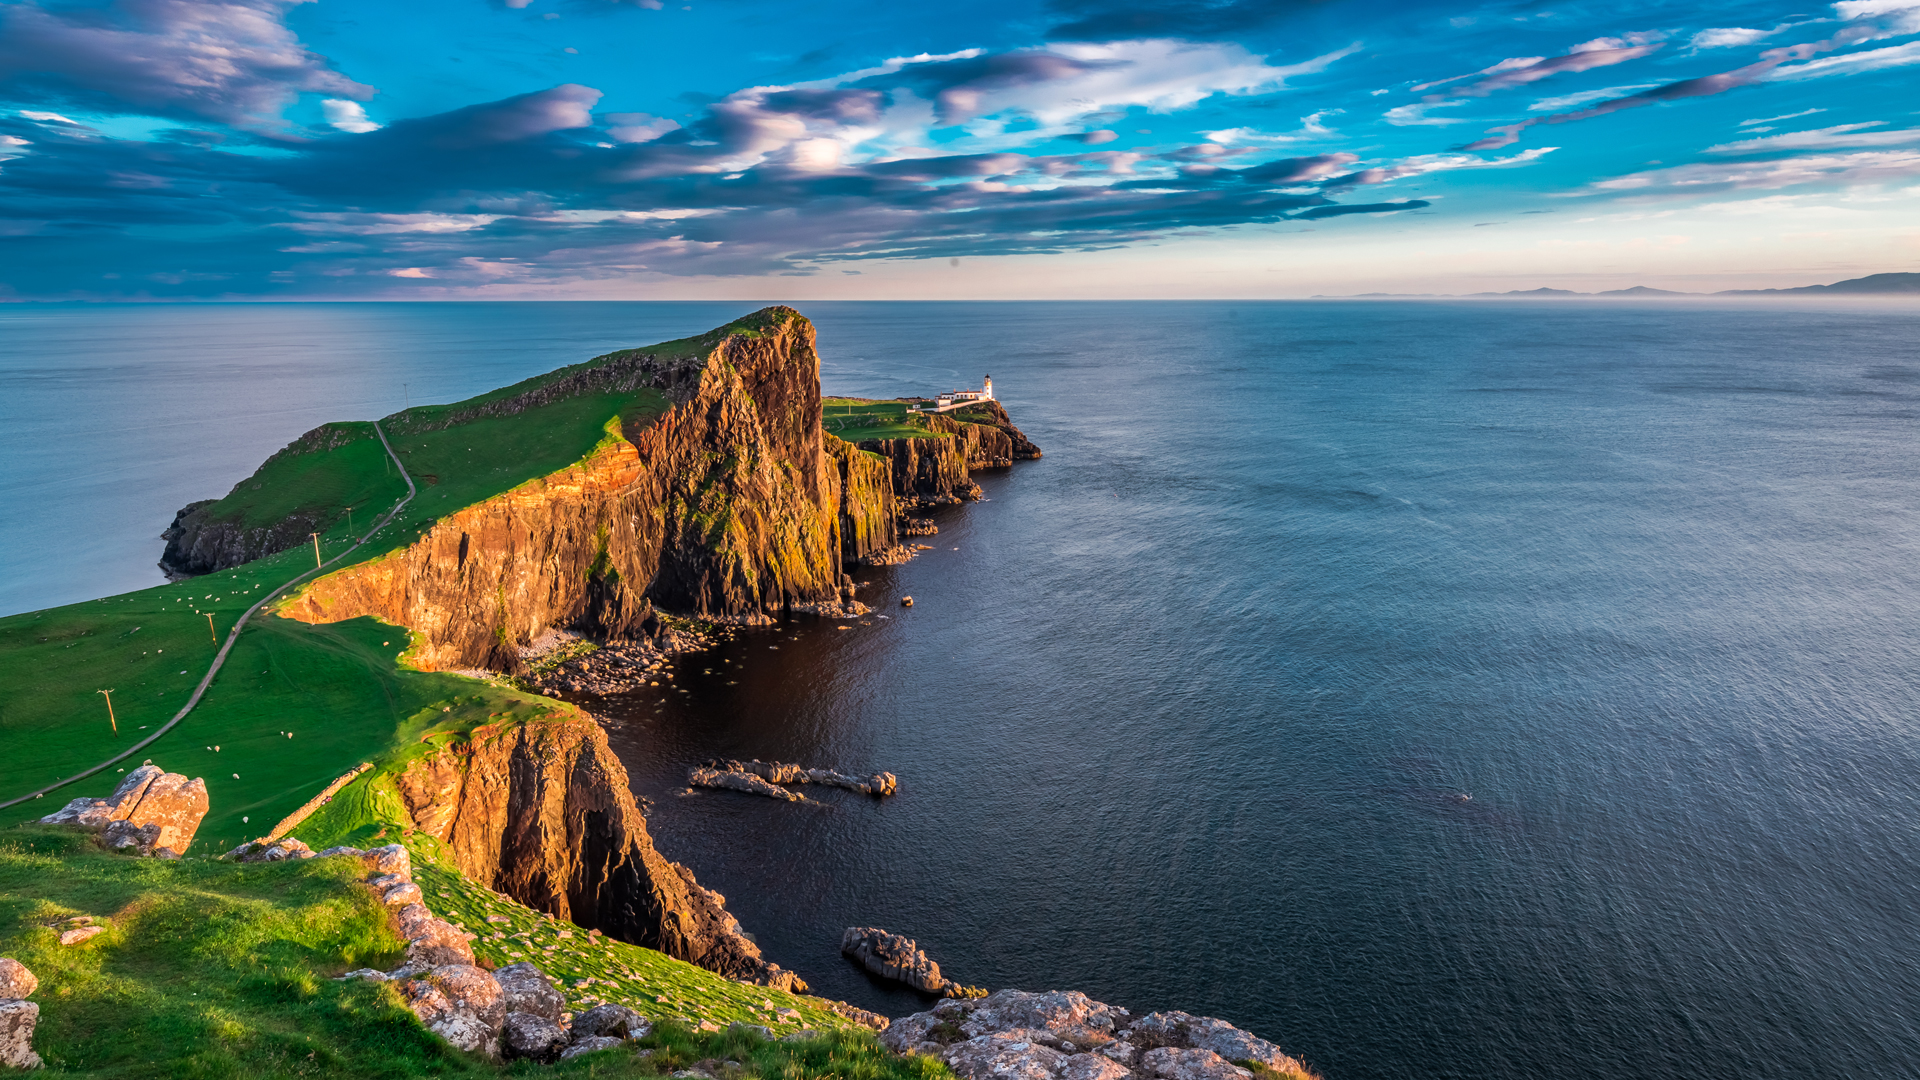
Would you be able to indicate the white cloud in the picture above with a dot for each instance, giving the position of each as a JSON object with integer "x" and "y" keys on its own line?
{"x": 347, "y": 116}
{"x": 1570, "y": 101}
{"x": 47, "y": 117}
{"x": 1839, "y": 137}
{"x": 639, "y": 127}
{"x": 1721, "y": 37}
{"x": 1841, "y": 170}
{"x": 1866, "y": 9}
{"x": 1777, "y": 119}
{"x": 1416, "y": 115}
{"x": 357, "y": 224}
{"x": 412, "y": 272}
{"x": 1851, "y": 63}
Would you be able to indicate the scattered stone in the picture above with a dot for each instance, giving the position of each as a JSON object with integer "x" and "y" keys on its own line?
{"x": 528, "y": 990}
{"x": 270, "y": 851}
{"x": 532, "y": 1036}
{"x": 17, "y": 1021}
{"x": 16, "y": 981}
{"x": 617, "y": 1021}
{"x": 80, "y": 934}
{"x": 892, "y": 956}
{"x": 588, "y": 1045}
{"x": 752, "y": 1029}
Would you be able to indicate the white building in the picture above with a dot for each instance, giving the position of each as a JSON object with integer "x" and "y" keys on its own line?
{"x": 953, "y": 399}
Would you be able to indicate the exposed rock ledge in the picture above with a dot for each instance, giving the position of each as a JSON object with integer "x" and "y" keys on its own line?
{"x": 901, "y": 959}
{"x": 758, "y": 777}
{"x": 1063, "y": 1035}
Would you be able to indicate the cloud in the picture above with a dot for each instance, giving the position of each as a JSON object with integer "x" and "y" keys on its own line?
{"x": 1430, "y": 163}
{"x": 638, "y": 127}
{"x": 1777, "y": 119}
{"x": 234, "y": 62}
{"x": 1829, "y": 170}
{"x": 1110, "y": 20}
{"x": 1851, "y": 64}
{"x": 347, "y": 116}
{"x": 1525, "y": 70}
{"x": 1722, "y": 37}
{"x": 1416, "y": 114}
{"x": 353, "y": 224}
{"x": 1838, "y": 137}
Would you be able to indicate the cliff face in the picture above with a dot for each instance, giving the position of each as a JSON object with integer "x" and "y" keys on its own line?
{"x": 869, "y": 512}
{"x": 542, "y": 812}
{"x": 728, "y": 506}
{"x": 925, "y": 472}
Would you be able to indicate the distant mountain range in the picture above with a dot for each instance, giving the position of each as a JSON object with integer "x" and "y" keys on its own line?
{"x": 1871, "y": 285}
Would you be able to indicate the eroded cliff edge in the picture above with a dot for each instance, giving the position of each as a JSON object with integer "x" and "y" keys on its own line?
{"x": 543, "y": 812}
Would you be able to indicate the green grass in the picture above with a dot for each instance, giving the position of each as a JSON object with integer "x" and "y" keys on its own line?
{"x": 214, "y": 970}
{"x": 854, "y": 419}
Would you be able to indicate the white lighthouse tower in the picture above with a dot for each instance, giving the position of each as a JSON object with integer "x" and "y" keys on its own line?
{"x": 988, "y": 391}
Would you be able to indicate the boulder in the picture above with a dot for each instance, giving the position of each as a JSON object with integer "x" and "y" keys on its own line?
{"x": 17, "y": 1021}
{"x": 402, "y": 894}
{"x": 588, "y": 1045}
{"x": 532, "y": 1036}
{"x": 152, "y": 812}
{"x": 80, "y": 934}
{"x": 1185, "y": 1031}
{"x": 1005, "y": 1055}
{"x": 340, "y": 850}
{"x": 392, "y": 859}
{"x": 471, "y": 990}
{"x": 271, "y": 851}
{"x": 529, "y": 991}
{"x": 438, "y": 943}
{"x": 464, "y": 1031}
{"x": 617, "y": 1021}
{"x": 1170, "y": 1063}
{"x": 16, "y": 981}
{"x": 899, "y": 958}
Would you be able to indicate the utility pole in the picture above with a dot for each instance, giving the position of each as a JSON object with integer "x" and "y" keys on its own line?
{"x": 210, "y": 631}
{"x": 349, "y": 521}
{"x": 316, "y": 550}
{"x": 110, "y": 718}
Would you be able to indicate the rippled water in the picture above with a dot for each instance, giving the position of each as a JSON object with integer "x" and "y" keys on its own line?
{"x": 1441, "y": 690}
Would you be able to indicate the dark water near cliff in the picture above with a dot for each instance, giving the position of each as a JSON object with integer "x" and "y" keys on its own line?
{"x": 1187, "y": 713}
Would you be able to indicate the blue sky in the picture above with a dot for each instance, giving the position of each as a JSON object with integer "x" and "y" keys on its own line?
{"x": 262, "y": 149}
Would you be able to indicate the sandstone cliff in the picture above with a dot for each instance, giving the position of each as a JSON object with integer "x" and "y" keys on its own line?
{"x": 542, "y": 812}
{"x": 728, "y": 506}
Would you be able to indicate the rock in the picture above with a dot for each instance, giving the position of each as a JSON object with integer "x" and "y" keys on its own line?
{"x": 270, "y": 851}
{"x": 342, "y": 849}
{"x": 1005, "y": 1055}
{"x": 617, "y": 1021}
{"x": 757, "y": 1030}
{"x": 528, "y": 990}
{"x": 368, "y": 974}
{"x": 532, "y": 1036}
{"x": 151, "y": 813}
{"x": 392, "y": 859}
{"x": 16, "y": 981}
{"x": 1064, "y": 1014}
{"x": 800, "y": 1036}
{"x": 426, "y": 1001}
{"x": 402, "y": 894}
{"x": 858, "y": 1015}
{"x": 472, "y": 990}
{"x": 439, "y": 943}
{"x": 79, "y": 934}
{"x": 776, "y": 772}
{"x": 745, "y": 782}
{"x": 588, "y": 1045}
{"x": 1184, "y": 1030}
{"x": 1093, "y": 1067}
{"x": 380, "y": 883}
{"x": 17, "y": 1021}
{"x": 1170, "y": 1063}
{"x": 465, "y": 1032}
{"x": 894, "y": 957}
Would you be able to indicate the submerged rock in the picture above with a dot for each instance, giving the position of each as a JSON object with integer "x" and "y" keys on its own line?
{"x": 899, "y": 958}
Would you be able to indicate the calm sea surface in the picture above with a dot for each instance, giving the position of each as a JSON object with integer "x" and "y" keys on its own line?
{"x": 1441, "y": 690}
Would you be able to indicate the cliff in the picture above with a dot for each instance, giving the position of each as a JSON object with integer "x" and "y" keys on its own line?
{"x": 869, "y": 508}
{"x": 728, "y": 505}
{"x": 542, "y": 812}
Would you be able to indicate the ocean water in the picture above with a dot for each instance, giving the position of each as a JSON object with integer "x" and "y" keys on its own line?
{"x": 1439, "y": 689}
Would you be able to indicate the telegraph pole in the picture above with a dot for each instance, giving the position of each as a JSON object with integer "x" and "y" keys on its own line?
{"x": 349, "y": 521}
{"x": 210, "y": 631}
{"x": 110, "y": 718}
{"x": 316, "y": 550}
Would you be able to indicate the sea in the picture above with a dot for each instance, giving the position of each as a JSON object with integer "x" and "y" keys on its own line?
{"x": 1438, "y": 689}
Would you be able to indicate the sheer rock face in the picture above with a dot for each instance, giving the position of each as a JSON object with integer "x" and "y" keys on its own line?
{"x": 542, "y": 811}
{"x": 925, "y": 471}
{"x": 728, "y": 506}
{"x": 869, "y": 513}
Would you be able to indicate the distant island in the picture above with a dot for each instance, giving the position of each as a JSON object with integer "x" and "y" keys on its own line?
{"x": 1871, "y": 285}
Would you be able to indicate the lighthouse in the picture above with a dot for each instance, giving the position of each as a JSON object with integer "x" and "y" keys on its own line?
{"x": 987, "y": 391}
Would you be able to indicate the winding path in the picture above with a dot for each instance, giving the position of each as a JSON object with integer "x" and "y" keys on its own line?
{"x": 233, "y": 635}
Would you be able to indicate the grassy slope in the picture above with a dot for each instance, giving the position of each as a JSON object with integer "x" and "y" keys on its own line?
{"x": 854, "y": 419}
{"x": 214, "y": 970}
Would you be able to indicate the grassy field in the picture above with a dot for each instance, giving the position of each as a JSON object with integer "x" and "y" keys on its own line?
{"x": 854, "y": 419}
{"x": 208, "y": 969}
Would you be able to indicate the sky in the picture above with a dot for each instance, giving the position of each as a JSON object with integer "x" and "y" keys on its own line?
{"x": 1003, "y": 149}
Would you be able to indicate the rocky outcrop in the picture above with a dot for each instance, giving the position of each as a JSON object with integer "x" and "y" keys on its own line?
{"x": 892, "y": 956}
{"x": 542, "y": 812}
{"x": 994, "y": 415}
{"x": 152, "y": 812}
{"x": 745, "y": 783}
{"x": 716, "y": 773}
{"x": 926, "y": 471}
{"x": 1063, "y": 1035}
{"x": 728, "y": 506}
